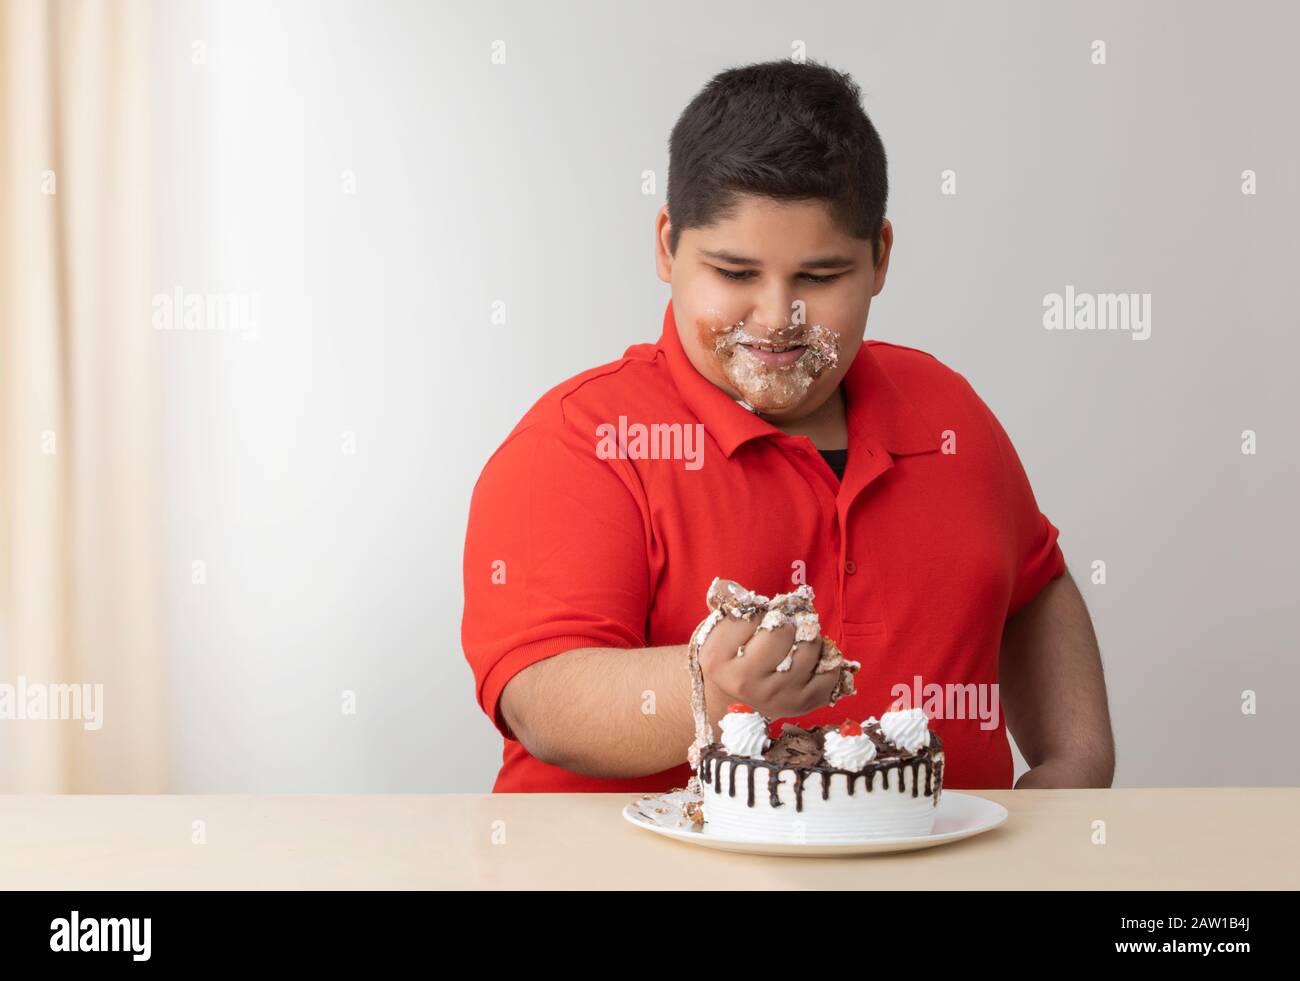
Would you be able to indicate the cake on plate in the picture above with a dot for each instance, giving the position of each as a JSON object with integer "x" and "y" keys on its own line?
{"x": 880, "y": 778}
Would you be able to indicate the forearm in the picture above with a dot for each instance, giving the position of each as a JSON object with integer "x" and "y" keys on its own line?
{"x": 608, "y": 712}
{"x": 1053, "y": 692}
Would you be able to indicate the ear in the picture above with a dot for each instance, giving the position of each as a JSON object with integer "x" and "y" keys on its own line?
{"x": 663, "y": 236}
{"x": 882, "y": 262}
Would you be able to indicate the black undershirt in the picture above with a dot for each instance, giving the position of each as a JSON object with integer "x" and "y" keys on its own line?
{"x": 837, "y": 459}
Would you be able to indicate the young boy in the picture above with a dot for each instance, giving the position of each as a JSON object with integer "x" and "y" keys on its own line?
{"x": 762, "y": 440}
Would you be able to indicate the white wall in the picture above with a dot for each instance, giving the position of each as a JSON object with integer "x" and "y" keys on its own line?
{"x": 521, "y": 182}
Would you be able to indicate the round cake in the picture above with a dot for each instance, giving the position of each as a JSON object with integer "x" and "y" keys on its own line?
{"x": 880, "y": 778}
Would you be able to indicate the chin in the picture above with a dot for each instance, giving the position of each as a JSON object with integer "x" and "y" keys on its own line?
{"x": 794, "y": 411}
{"x": 789, "y": 413}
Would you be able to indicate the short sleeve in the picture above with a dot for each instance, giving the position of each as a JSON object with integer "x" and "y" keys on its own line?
{"x": 555, "y": 558}
{"x": 1035, "y": 542}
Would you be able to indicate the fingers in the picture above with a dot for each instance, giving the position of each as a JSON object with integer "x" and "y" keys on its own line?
{"x": 767, "y": 650}
{"x": 817, "y": 690}
{"x": 727, "y": 635}
{"x": 776, "y": 698}
{"x": 807, "y": 654}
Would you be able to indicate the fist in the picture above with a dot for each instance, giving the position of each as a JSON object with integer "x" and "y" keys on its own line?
{"x": 754, "y": 676}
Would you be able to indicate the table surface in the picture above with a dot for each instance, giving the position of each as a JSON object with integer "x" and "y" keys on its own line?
{"x": 1173, "y": 838}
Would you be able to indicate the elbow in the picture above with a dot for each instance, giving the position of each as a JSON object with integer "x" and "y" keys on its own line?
{"x": 1103, "y": 759}
{"x": 1094, "y": 769}
{"x": 1098, "y": 774}
{"x": 1106, "y": 766}
{"x": 515, "y": 710}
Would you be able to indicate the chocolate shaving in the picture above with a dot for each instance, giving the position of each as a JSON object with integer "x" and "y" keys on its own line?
{"x": 797, "y": 746}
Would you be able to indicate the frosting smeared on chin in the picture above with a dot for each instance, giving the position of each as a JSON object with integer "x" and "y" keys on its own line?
{"x": 769, "y": 388}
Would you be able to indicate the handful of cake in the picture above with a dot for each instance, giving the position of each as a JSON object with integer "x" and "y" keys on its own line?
{"x": 878, "y": 778}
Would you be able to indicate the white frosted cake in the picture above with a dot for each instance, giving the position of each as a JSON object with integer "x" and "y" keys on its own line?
{"x": 825, "y": 785}
{"x": 879, "y": 778}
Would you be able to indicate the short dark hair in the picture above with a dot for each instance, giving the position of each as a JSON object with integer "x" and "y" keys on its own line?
{"x": 782, "y": 129}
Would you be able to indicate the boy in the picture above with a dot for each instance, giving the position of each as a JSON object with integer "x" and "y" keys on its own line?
{"x": 762, "y": 440}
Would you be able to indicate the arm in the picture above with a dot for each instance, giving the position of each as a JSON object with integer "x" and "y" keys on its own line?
{"x": 586, "y": 710}
{"x": 1053, "y": 692}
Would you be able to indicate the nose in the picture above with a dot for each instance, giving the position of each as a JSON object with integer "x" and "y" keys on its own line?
{"x": 771, "y": 319}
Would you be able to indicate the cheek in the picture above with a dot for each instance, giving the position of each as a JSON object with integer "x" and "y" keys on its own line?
{"x": 826, "y": 346}
{"x": 709, "y": 326}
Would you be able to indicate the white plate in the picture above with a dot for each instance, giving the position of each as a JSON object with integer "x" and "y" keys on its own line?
{"x": 959, "y": 816}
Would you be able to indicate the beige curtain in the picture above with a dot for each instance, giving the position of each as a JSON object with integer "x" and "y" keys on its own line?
{"x": 80, "y": 551}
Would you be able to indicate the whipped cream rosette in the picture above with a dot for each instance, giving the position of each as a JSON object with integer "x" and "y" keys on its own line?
{"x": 744, "y": 732}
{"x": 908, "y": 729}
{"x": 849, "y": 747}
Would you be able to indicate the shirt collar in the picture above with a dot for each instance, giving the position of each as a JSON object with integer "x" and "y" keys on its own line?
{"x": 875, "y": 406}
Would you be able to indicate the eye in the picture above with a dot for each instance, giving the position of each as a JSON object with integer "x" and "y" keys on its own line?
{"x": 749, "y": 274}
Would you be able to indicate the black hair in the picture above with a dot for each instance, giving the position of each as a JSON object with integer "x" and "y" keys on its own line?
{"x": 781, "y": 129}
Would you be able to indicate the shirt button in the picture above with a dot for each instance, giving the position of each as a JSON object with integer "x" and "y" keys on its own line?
{"x": 850, "y": 567}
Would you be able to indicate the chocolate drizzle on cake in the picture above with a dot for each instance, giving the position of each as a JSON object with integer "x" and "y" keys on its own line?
{"x": 800, "y": 751}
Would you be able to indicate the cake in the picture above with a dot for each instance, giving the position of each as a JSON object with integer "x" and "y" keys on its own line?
{"x": 880, "y": 778}
{"x": 730, "y": 599}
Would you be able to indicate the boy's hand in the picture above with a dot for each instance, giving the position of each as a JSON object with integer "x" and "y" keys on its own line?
{"x": 754, "y": 679}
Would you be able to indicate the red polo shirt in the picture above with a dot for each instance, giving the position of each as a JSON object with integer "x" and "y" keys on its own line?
{"x": 917, "y": 558}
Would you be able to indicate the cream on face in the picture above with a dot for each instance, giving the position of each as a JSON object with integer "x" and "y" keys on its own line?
{"x": 772, "y": 371}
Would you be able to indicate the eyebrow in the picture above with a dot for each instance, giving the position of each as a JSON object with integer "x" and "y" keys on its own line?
{"x": 821, "y": 262}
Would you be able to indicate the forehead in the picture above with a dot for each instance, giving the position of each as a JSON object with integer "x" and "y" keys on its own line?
{"x": 765, "y": 229}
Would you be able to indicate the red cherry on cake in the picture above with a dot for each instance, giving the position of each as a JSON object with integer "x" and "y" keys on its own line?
{"x": 850, "y": 728}
{"x": 739, "y": 707}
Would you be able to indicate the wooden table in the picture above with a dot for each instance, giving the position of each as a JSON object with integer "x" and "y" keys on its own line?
{"x": 1219, "y": 838}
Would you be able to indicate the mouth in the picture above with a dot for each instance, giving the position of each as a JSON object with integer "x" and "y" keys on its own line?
{"x": 774, "y": 355}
